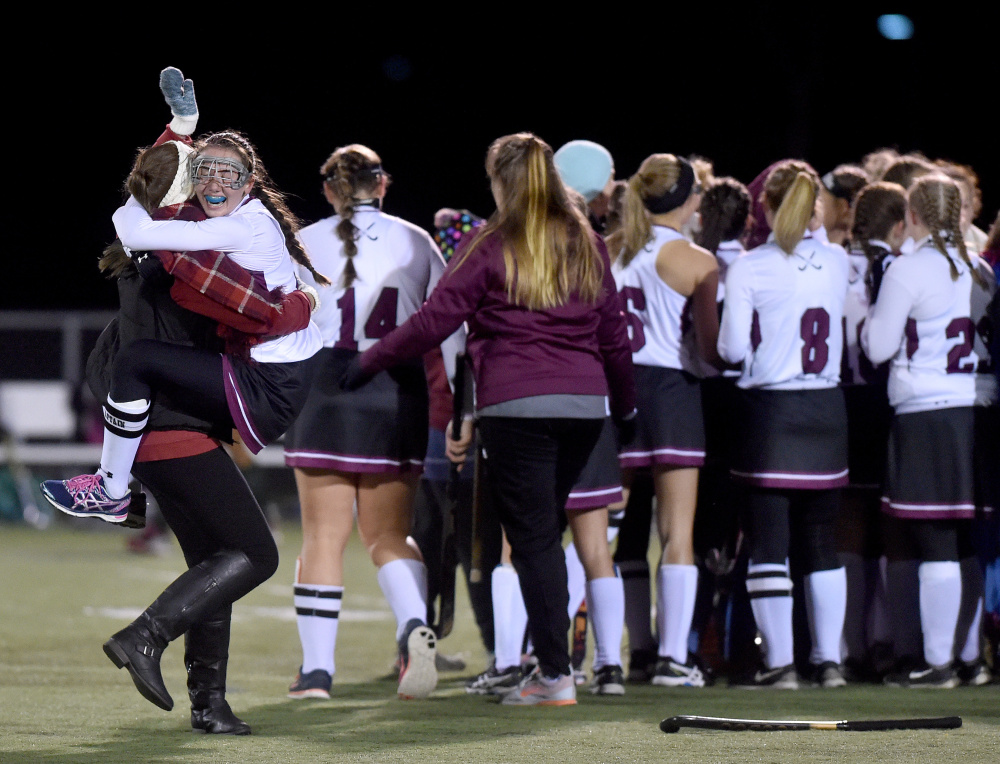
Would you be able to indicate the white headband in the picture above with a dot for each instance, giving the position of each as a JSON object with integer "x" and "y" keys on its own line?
{"x": 181, "y": 189}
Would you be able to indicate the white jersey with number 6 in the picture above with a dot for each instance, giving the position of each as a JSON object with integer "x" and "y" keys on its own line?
{"x": 783, "y": 316}
{"x": 658, "y": 317}
{"x": 397, "y": 264}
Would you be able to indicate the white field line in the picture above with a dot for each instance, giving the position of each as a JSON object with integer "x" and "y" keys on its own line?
{"x": 243, "y": 614}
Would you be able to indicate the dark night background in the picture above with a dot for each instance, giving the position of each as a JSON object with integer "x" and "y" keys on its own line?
{"x": 431, "y": 90}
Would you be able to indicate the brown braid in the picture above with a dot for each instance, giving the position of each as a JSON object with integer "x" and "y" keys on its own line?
{"x": 937, "y": 201}
{"x": 351, "y": 173}
{"x": 269, "y": 195}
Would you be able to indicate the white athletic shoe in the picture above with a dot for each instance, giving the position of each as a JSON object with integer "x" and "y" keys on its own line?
{"x": 670, "y": 673}
{"x": 417, "y": 671}
{"x": 536, "y": 690}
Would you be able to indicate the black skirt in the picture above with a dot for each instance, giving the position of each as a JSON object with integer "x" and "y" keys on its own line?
{"x": 792, "y": 439}
{"x": 380, "y": 427}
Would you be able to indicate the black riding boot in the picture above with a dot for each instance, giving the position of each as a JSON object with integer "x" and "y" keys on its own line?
{"x": 206, "y": 654}
{"x": 198, "y": 592}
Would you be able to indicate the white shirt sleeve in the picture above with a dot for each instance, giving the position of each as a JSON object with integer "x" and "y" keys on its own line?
{"x": 737, "y": 313}
{"x": 138, "y": 231}
{"x": 886, "y": 323}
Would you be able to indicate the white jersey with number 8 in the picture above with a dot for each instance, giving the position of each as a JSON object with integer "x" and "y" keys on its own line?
{"x": 783, "y": 316}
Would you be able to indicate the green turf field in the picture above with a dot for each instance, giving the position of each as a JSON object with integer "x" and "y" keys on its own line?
{"x": 66, "y": 589}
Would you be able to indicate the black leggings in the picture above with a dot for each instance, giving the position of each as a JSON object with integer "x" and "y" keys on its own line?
{"x": 190, "y": 376}
{"x": 208, "y": 505}
{"x": 532, "y": 464}
{"x": 927, "y": 540}
{"x": 793, "y": 523}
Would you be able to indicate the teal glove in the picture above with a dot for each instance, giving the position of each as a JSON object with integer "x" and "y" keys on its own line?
{"x": 179, "y": 95}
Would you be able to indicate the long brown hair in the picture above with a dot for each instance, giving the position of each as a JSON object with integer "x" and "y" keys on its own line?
{"x": 548, "y": 245}
{"x": 152, "y": 174}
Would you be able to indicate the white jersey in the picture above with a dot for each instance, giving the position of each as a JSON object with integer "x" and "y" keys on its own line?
{"x": 783, "y": 313}
{"x": 923, "y": 322}
{"x": 658, "y": 317}
{"x": 250, "y": 236}
{"x": 397, "y": 265}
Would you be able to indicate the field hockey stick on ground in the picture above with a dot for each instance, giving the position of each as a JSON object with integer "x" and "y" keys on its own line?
{"x": 674, "y": 724}
{"x": 449, "y": 549}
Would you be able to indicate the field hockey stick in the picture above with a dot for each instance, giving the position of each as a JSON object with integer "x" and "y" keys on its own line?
{"x": 674, "y": 723}
{"x": 449, "y": 550}
{"x": 476, "y": 566}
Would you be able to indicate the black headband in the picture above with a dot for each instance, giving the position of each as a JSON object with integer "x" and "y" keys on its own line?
{"x": 676, "y": 195}
{"x": 375, "y": 171}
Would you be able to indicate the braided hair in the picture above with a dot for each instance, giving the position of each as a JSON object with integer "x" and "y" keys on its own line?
{"x": 268, "y": 194}
{"x": 936, "y": 200}
{"x": 352, "y": 174}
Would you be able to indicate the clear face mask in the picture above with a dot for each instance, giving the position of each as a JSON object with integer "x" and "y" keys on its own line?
{"x": 226, "y": 172}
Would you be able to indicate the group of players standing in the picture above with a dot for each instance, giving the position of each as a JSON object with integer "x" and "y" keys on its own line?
{"x": 766, "y": 383}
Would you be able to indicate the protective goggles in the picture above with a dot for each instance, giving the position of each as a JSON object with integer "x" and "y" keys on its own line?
{"x": 226, "y": 172}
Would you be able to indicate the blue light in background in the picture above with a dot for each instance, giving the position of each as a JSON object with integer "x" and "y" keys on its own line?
{"x": 397, "y": 68}
{"x": 895, "y": 26}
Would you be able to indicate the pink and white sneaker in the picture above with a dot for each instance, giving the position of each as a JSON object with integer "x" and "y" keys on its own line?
{"x": 86, "y": 496}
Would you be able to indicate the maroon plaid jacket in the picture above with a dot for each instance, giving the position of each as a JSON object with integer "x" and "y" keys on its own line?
{"x": 215, "y": 275}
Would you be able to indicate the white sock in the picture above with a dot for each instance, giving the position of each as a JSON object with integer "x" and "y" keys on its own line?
{"x": 970, "y": 615}
{"x": 676, "y": 589}
{"x": 577, "y": 579}
{"x": 317, "y": 611}
{"x": 770, "y": 590}
{"x": 404, "y": 584}
{"x": 638, "y": 605}
{"x": 826, "y": 604}
{"x": 510, "y": 619}
{"x": 123, "y": 426}
{"x": 940, "y": 600}
{"x": 606, "y": 606}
